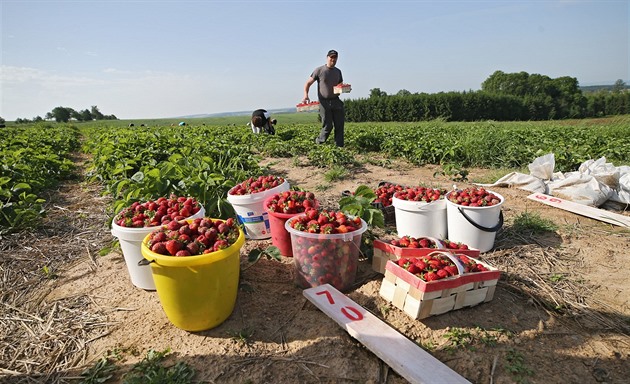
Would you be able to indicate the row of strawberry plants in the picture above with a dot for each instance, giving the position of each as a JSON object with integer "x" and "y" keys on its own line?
{"x": 32, "y": 160}
{"x": 144, "y": 163}
{"x": 481, "y": 144}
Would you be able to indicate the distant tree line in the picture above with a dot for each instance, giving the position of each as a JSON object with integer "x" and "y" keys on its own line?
{"x": 503, "y": 97}
{"x": 64, "y": 114}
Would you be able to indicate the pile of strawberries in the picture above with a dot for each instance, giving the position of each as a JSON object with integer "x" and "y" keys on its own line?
{"x": 426, "y": 242}
{"x": 326, "y": 222}
{"x": 256, "y": 185}
{"x": 424, "y": 194}
{"x": 161, "y": 211}
{"x": 474, "y": 197}
{"x": 412, "y": 242}
{"x": 194, "y": 237}
{"x": 436, "y": 267}
{"x": 385, "y": 193}
{"x": 453, "y": 245}
{"x": 291, "y": 202}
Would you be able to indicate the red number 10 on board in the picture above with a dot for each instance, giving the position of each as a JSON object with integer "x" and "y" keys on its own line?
{"x": 348, "y": 311}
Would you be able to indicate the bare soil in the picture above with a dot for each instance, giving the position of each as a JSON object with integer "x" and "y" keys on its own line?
{"x": 560, "y": 314}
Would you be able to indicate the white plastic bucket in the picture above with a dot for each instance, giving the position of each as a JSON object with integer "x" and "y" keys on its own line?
{"x": 338, "y": 268}
{"x": 131, "y": 243}
{"x": 251, "y": 213}
{"x": 420, "y": 219}
{"x": 475, "y": 226}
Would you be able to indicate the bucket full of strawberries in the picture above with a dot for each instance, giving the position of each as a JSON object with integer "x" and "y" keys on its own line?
{"x": 326, "y": 247}
{"x": 281, "y": 207}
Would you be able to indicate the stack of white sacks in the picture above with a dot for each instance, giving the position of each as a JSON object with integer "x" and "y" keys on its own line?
{"x": 596, "y": 183}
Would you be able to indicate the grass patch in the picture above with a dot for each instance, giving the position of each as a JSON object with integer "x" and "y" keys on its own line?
{"x": 531, "y": 222}
{"x": 492, "y": 175}
{"x": 336, "y": 173}
{"x": 150, "y": 370}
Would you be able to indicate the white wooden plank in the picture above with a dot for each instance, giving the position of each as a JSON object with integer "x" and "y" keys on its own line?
{"x": 581, "y": 209}
{"x": 401, "y": 354}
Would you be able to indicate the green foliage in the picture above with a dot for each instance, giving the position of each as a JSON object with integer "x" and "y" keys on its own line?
{"x": 32, "y": 160}
{"x": 145, "y": 163}
{"x": 359, "y": 204}
{"x": 454, "y": 172}
{"x": 206, "y": 161}
{"x": 152, "y": 371}
{"x": 271, "y": 252}
{"x": 459, "y": 338}
{"x": 323, "y": 156}
{"x": 242, "y": 335}
{"x": 335, "y": 173}
{"x": 515, "y": 365}
{"x": 531, "y": 223}
{"x": 100, "y": 372}
{"x": 504, "y": 97}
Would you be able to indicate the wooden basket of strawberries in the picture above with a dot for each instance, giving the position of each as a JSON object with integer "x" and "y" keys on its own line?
{"x": 408, "y": 246}
{"x": 437, "y": 283}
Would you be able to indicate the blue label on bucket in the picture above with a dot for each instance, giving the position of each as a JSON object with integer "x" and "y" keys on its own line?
{"x": 255, "y": 227}
{"x": 250, "y": 220}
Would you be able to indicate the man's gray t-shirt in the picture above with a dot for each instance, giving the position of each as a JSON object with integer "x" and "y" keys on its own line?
{"x": 326, "y": 79}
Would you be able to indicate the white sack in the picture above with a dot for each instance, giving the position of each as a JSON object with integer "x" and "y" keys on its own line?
{"x": 542, "y": 167}
{"x": 580, "y": 188}
{"x": 520, "y": 181}
{"x": 605, "y": 173}
{"x": 621, "y": 194}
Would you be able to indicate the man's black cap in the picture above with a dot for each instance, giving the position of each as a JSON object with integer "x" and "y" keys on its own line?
{"x": 332, "y": 52}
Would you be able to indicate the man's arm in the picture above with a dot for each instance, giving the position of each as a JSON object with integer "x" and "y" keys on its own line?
{"x": 307, "y": 86}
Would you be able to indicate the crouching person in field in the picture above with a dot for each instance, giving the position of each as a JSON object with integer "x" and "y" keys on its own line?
{"x": 262, "y": 122}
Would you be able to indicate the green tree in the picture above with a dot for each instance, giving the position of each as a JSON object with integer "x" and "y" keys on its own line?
{"x": 86, "y": 115}
{"x": 62, "y": 114}
{"x": 96, "y": 114}
{"x": 376, "y": 92}
{"x": 619, "y": 86}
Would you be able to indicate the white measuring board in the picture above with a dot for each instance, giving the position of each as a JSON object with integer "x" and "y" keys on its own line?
{"x": 581, "y": 209}
{"x": 401, "y": 354}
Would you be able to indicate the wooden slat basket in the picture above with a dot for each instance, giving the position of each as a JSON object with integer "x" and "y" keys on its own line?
{"x": 420, "y": 299}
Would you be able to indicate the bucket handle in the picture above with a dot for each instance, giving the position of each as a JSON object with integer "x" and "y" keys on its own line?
{"x": 453, "y": 258}
{"x": 144, "y": 262}
{"x": 478, "y": 226}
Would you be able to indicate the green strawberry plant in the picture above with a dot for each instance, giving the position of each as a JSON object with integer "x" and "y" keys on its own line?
{"x": 359, "y": 203}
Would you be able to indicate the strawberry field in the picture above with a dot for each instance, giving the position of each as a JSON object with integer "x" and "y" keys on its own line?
{"x": 69, "y": 314}
{"x": 205, "y": 162}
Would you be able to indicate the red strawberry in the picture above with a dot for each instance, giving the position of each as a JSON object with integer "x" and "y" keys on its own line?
{"x": 193, "y": 248}
{"x": 430, "y": 276}
{"x": 173, "y": 246}
{"x": 159, "y": 248}
{"x": 174, "y": 225}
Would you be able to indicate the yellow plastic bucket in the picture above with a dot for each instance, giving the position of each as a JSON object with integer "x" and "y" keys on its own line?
{"x": 197, "y": 292}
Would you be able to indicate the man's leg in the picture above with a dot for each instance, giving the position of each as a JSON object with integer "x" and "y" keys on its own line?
{"x": 325, "y": 112}
{"x": 338, "y": 115}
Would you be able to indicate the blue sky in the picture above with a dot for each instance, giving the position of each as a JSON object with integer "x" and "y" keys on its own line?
{"x": 154, "y": 59}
